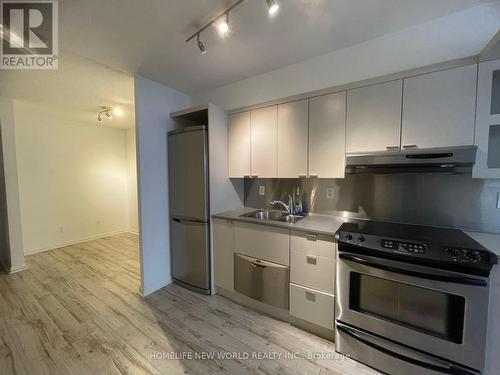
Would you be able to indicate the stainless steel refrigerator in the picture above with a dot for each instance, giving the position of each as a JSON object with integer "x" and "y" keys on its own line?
{"x": 189, "y": 207}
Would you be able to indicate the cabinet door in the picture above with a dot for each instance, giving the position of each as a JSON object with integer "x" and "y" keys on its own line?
{"x": 327, "y": 136}
{"x": 488, "y": 121}
{"x": 439, "y": 108}
{"x": 264, "y": 129}
{"x": 292, "y": 139}
{"x": 262, "y": 242}
{"x": 374, "y": 118}
{"x": 223, "y": 243}
{"x": 239, "y": 144}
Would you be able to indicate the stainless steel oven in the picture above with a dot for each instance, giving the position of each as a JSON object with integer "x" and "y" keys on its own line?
{"x": 399, "y": 309}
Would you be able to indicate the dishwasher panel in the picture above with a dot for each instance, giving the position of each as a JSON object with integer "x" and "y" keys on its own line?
{"x": 264, "y": 281}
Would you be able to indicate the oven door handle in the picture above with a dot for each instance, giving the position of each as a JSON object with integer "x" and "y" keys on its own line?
{"x": 410, "y": 355}
{"x": 446, "y": 278}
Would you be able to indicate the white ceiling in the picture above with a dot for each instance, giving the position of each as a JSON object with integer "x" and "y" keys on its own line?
{"x": 75, "y": 91}
{"x": 147, "y": 37}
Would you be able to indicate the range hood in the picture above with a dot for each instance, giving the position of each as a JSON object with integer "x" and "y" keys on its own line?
{"x": 445, "y": 160}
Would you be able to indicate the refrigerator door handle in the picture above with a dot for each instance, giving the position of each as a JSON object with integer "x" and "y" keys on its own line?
{"x": 188, "y": 221}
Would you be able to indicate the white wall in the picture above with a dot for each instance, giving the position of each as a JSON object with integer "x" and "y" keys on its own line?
{"x": 459, "y": 35}
{"x": 72, "y": 179}
{"x": 133, "y": 218}
{"x": 16, "y": 256}
{"x": 153, "y": 103}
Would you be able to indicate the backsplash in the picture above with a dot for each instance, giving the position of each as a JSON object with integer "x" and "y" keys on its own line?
{"x": 456, "y": 201}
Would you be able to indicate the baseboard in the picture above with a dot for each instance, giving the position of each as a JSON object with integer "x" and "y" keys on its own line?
{"x": 17, "y": 269}
{"x": 69, "y": 243}
{"x": 13, "y": 269}
{"x": 145, "y": 291}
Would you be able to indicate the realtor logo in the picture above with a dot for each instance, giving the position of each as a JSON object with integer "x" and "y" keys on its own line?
{"x": 29, "y": 34}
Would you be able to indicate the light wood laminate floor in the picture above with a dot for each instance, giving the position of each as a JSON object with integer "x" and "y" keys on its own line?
{"x": 77, "y": 310}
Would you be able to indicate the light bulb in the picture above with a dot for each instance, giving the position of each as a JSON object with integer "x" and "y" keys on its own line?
{"x": 117, "y": 111}
{"x": 223, "y": 27}
{"x": 273, "y": 6}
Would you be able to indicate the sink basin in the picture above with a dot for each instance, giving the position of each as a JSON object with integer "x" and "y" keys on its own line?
{"x": 273, "y": 216}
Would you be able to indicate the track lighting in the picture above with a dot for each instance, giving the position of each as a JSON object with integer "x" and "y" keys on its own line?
{"x": 201, "y": 46}
{"x": 109, "y": 112}
{"x": 273, "y": 6}
{"x": 223, "y": 24}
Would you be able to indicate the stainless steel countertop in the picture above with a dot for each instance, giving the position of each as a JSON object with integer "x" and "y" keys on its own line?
{"x": 326, "y": 224}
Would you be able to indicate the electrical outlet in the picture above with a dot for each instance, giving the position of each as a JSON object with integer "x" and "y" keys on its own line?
{"x": 262, "y": 190}
{"x": 98, "y": 222}
{"x": 330, "y": 193}
{"x": 60, "y": 229}
{"x": 498, "y": 200}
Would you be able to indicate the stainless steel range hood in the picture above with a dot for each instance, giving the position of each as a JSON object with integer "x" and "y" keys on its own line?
{"x": 446, "y": 160}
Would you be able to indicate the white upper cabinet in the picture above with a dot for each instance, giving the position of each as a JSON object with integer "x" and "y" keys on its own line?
{"x": 439, "y": 108}
{"x": 239, "y": 144}
{"x": 292, "y": 139}
{"x": 488, "y": 121}
{"x": 374, "y": 118}
{"x": 327, "y": 135}
{"x": 264, "y": 132}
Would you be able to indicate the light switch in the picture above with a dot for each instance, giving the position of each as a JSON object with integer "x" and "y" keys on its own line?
{"x": 262, "y": 190}
{"x": 330, "y": 193}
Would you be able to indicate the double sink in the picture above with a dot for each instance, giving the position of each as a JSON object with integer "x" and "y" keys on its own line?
{"x": 281, "y": 216}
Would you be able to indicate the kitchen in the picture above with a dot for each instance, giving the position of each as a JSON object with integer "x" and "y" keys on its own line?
{"x": 352, "y": 224}
{"x": 251, "y": 187}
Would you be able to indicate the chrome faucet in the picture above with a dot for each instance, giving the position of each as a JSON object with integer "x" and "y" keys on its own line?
{"x": 288, "y": 207}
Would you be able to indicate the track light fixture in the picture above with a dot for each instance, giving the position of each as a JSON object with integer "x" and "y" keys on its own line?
{"x": 273, "y": 6}
{"x": 223, "y": 25}
{"x": 222, "y": 22}
{"x": 201, "y": 46}
{"x": 109, "y": 112}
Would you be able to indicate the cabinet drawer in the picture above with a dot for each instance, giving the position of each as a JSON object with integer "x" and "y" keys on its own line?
{"x": 313, "y": 244}
{"x": 312, "y": 306}
{"x": 312, "y": 271}
{"x": 262, "y": 242}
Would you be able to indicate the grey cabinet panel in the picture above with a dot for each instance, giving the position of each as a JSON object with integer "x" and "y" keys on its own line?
{"x": 374, "y": 118}
{"x": 292, "y": 139}
{"x": 327, "y": 116}
{"x": 239, "y": 144}
{"x": 439, "y": 108}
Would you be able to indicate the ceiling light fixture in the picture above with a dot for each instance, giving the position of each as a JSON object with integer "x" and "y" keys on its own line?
{"x": 273, "y": 6}
{"x": 223, "y": 25}
{"x": 105, "y": 111}
{"x": 201, "y": 46}
{"x": 117, "y": 111}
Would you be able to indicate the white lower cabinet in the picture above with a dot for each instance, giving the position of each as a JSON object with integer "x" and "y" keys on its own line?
{"x": 312, "y": 260}
{"x": 312, "y": 278}
{"x": 223, "y": 242}
{"x": 312, "y": 305}
{"x": 314, "y": 271}
{"x": 262, "y": 242}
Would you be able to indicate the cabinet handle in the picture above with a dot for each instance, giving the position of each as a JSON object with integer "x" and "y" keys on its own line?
{"x": 254, "y": 176}
{"x": 310, "y": 296}
{"x": 313, "y": 175}
{"x": 392, "y": 148}
{"x": 302, "y": 175}
{"x": 312, "y": 236}
{"x": 409, "y": 146}
{"x": 310, "y": 259}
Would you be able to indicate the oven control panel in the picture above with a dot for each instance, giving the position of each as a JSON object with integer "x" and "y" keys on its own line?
{"x": 464, "y": 255}
{"x": 403, "y": 247}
